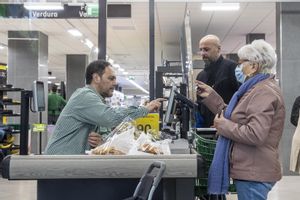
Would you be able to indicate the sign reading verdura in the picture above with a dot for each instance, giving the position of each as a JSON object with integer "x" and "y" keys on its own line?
{"x": 68, "y": 12}
{"x": 18, "y": 11}
{"x": 44, "y": 14}
{"x": 83, "y": 11}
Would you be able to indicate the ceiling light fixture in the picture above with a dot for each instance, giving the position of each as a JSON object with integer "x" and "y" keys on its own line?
{"x": 51, "y": 77}
{"x": 111, "y": 61}
{"x": 96, "y": 50}
{"x": 75, "y": 32}
{"x": 138, "y": 86}
{"x": 43, "y": 6}
{"x": 117, "y": 66}
{"x": 88, "y": 43}
{"x": 2, "y": 46}
{"x": 220, "y": 6}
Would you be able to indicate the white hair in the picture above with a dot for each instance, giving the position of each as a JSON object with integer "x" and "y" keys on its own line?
{"x": 261, "y": 52}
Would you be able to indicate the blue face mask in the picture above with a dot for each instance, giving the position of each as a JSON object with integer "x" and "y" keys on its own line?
{"x": 239, "y": 75}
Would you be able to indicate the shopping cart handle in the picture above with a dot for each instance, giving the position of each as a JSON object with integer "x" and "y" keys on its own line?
{"x": 159, "y": 164}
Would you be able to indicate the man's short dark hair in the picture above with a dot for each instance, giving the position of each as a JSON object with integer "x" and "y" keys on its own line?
{"x": 54, "y": 88}
{"x": 98, "y": 67}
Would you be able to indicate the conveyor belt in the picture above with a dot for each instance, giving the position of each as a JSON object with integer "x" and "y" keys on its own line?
{"x": 17, "y": 167}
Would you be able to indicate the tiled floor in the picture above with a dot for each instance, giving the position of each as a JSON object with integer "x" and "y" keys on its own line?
{"x": 286, "y": 189}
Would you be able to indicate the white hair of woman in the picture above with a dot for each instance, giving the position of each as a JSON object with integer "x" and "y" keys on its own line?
{"x": 261, "y": 52}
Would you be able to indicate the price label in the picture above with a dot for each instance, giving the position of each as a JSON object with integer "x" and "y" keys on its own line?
{"x": 151, "y": 121}
{"x": 3, "y": 67}
{"x": 39, "y": 127}
{"x": 4, "y": 120}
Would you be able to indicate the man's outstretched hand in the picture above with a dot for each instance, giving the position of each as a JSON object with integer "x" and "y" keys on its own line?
{"x": 153, "y": 106}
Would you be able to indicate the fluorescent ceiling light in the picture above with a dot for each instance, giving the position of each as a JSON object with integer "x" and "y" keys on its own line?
{"x": 117, "y": 66}
{"x": 75, "y": 32}
{"x": 88, "y": 43}
{"x": 96, "y": 50}
{"x": 51, "y": 77}
{"x": 125, "y": 73}
{"x": 220, "y": 6}
{"x": 2, "y": 46}
{"x": 43, "y": 6}
{"x": 111, "y": 61}
{"x": 138, "y": 86}
{"x": 121, "y": 69}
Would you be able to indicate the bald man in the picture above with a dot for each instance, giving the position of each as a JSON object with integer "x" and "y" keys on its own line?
{"x": 218, "y": 73}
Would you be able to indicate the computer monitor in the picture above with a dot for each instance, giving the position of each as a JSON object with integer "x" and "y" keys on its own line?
{"x": 183, "y": 99}
{"x": 38, "y": 93}
{"x": 171, "y": 107}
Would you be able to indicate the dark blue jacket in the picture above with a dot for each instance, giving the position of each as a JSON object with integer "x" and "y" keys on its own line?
{"x": 219, "y": 75}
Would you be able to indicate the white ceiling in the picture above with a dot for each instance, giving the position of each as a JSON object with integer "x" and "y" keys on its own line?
{"x": 128, "y": 39}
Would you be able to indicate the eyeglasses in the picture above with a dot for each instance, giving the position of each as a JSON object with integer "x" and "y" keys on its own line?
{"x": 242, "y": 61}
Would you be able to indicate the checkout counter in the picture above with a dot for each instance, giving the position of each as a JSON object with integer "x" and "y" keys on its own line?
{"x": 79, "y": 177}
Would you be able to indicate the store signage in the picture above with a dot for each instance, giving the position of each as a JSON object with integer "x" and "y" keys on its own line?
{"x": 18, "y": 11}
{"x": 131, "y": 78}
{"x": 70, "y": 11}
{"x": 3, "y": 67}
{"x": 39, "y": 127}
{"x": 93, "y": 10}
{"x": 149, "y": 122}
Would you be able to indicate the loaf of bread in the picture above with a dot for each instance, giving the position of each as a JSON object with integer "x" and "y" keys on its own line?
{"x": 101, "y": 150}
{"x": 148, "y": 148}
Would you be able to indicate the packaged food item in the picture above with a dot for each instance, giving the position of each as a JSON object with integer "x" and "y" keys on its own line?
{"x": 126, "y": 124}
{"x": 120, "y": 143}
{"x": 150, "y": 148}
{"x": 101, "y": 150}
{"x": 147, "y": 143}
{"x": 126, "y": 140}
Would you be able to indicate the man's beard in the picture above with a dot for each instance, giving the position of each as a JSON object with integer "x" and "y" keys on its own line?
{"x": 210, "y": 61}
{"x": 207, "y": 62}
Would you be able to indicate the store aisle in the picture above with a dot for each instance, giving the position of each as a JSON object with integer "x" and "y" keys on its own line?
{"x": 286, "y": 189}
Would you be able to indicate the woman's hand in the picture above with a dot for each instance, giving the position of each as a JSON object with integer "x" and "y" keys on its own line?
{"x": 203, "y": 90}
{"x": 94, "y": 139}
{"x": 218, "y": 119}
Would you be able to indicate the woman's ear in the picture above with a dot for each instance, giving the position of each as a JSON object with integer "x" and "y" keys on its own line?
{"x": 255, "y": 67}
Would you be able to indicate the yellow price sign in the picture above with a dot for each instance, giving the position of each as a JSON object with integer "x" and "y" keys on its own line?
{"x": 151, "y": 121}
{"x": 4, "y": 120}
{"x": 39, "y": 127}
{"x": 3, "y": 67}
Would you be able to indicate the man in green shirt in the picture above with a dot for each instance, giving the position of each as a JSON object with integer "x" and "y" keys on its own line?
{"x": 55, "y": 105}
{"x": 86, "y": 113}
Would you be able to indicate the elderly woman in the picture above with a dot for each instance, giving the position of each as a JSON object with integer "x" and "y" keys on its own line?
{"x": 249, "y": 128}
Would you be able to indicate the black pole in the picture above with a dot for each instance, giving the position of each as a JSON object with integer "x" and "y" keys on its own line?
{"x": 102, "y": 29}
{"x": 152, "y": 48}
{"x": 185, "y": 121}
{"x": 25, "y": 96}
{"x": 40, "y": 133}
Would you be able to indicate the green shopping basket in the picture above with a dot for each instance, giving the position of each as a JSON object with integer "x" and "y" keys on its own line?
{"x": 206, "y": 147}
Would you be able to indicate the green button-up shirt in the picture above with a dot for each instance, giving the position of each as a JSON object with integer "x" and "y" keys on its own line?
{"x": 85, "y": 112}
